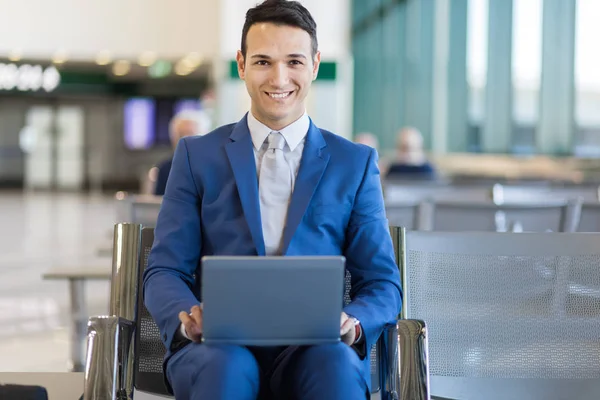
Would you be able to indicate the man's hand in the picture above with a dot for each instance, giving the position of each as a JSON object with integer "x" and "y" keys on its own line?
{"x": 348, "y": 329}
{"x": 192, "y": 323}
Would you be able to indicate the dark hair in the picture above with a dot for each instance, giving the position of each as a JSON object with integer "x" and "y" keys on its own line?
{"x": 281, "y": 12}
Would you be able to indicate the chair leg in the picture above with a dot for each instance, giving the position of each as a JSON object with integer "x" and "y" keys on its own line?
{"x": 109, "y": 362}
{"x": 403, "y": 367}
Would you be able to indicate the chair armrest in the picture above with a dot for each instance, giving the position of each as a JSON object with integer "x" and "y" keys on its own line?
{"x": 403, "y": 361}
{"x": 109, "y": 359}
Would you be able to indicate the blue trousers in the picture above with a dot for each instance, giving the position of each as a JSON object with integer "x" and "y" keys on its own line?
{"x": 228, "y": 372}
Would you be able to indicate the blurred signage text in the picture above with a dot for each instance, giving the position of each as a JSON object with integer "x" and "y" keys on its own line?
{"x": 28, "y": 78}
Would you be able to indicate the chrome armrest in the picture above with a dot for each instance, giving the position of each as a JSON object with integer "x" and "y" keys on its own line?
{"x": 109, "y": 359}
{"x": 403, "y": 361}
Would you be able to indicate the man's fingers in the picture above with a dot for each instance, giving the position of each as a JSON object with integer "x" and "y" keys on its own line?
{"x": 344, "y": 317}
{"x": 347, "y": 326}
{"x": 193, "y": 330}
{"x": 184, "y": 318}
{"x": 197, "y": 315}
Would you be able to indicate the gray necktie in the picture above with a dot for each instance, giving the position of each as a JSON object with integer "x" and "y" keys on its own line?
{"x": 275, "y": 189}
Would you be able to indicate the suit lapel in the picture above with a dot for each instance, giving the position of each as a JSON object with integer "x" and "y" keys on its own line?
{"x": 241, "y": 158}
{"x": 315, "y": 157}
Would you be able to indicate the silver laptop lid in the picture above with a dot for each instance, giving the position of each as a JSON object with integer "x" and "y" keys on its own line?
{"x": 272, "y": 301}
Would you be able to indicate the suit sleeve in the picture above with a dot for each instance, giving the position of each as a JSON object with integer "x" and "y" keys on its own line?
{"x": 169, "y": 277}
{"x": 376, "y": 292}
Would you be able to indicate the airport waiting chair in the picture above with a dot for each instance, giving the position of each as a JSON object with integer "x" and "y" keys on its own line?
{"x": 509, "y": 315}
{"x": 125, "y": 353}
{"x": 526, "y": 192}
{"x": 137, "y": 209}
{"x": 404, "y": 214}
{"x": 590, "y": 217}
{"x": 541, "y": 216}
{"x": 406, "y": 192}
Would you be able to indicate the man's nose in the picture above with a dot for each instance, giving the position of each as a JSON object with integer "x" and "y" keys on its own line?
{"x": 279, "y": 76}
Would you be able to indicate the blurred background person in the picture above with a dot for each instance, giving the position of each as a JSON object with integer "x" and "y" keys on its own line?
{"x": 183, "y": 124}
{"x": 411, "y": 161}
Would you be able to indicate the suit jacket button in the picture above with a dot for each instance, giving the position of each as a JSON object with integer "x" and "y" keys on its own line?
{"x": 165, "y": 337}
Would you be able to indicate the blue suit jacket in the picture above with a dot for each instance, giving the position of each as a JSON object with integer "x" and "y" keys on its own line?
{"x": 211, "y": 207}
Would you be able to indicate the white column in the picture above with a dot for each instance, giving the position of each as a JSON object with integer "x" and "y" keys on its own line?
{"x": 498, "y": 102}
{"x": 556, "y": 127}
{"x": 441, "y": 45}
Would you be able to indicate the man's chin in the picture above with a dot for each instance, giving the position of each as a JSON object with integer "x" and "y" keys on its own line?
{"x": 278, "y": 115}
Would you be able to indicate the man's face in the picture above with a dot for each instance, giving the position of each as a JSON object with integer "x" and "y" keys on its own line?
{"x": 278, "y": 70}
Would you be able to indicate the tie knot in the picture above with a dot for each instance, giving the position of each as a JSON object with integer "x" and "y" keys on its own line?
{"x": 276, "y": 140}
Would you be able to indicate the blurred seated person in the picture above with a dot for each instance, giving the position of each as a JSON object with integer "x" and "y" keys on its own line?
{"x": 185, "y": 123}
{"x": 411, "y": 161}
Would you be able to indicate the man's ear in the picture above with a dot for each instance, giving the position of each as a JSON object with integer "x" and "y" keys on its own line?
{"x": 241, "y": 65}
{"x": 316, "y": 64}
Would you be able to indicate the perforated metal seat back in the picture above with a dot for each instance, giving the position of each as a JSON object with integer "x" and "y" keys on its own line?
{"x": 510, "y": 315}
{"x": 150, "y": 350}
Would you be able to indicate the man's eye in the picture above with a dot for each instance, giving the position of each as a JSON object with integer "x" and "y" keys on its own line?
{"x": 262, "y": 62}
{"x": 295, "y": 62}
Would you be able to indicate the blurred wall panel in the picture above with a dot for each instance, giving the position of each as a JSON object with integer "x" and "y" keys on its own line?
{"x": 39, "y": 28}
{"x": 12, "y": 116}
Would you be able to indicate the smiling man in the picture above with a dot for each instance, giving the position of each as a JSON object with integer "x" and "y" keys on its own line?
{"x": 272, "y": 184}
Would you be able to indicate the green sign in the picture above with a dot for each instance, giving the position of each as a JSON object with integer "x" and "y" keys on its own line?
{"x": 160, "y": 69}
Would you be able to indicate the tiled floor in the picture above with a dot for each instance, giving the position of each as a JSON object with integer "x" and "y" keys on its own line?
{"x": 39, "y": 231}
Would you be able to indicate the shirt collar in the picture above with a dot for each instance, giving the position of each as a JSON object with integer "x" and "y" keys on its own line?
{"x": 293, "y": 134}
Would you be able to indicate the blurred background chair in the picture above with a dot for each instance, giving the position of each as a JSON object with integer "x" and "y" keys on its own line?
{"x": 137, "y": 208}
{"x": 549, "y": 215}
{"x": 405, "y": 214}
{"x": 590, "y": 217}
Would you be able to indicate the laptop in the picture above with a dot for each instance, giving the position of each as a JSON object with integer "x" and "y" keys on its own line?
{"x": 272, "y": 301}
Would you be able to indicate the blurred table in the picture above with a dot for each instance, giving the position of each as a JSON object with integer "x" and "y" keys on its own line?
{"x": 78, "y": 309}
